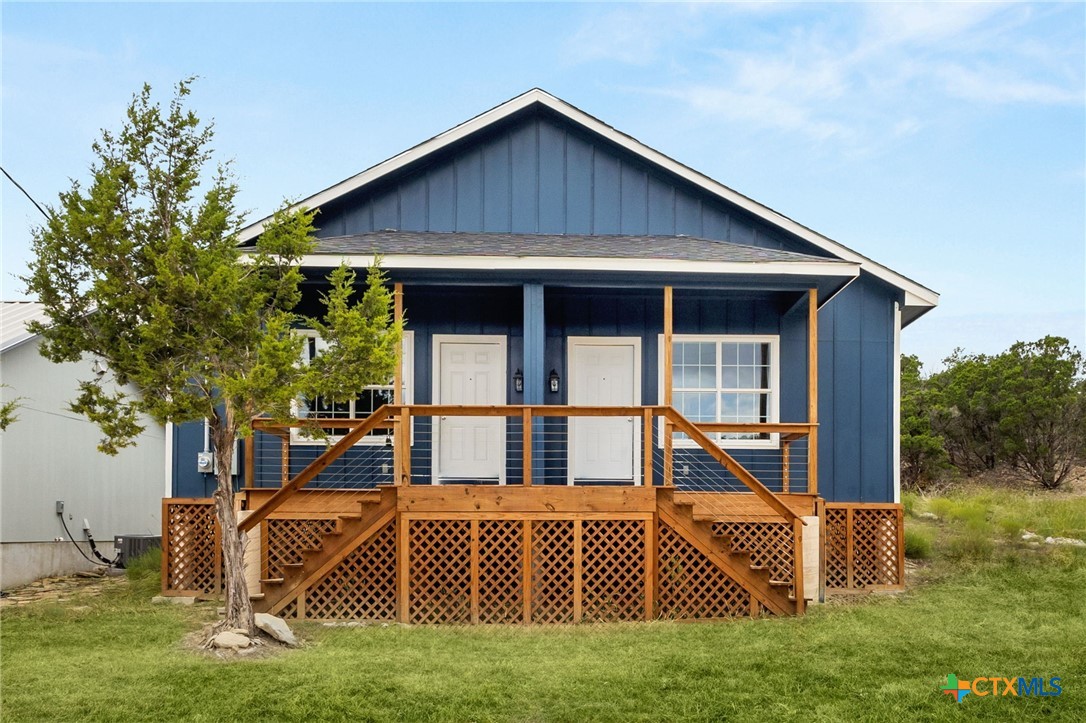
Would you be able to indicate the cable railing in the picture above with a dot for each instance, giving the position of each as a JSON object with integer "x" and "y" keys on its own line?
{"x": 530, "y": 445}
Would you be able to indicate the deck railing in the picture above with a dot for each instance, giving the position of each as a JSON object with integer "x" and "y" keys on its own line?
{"x": 660, "y": 447}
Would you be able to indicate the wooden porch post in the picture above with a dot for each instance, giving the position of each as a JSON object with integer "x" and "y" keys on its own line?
{"x": 668, "y": 427}
{"x": 398, "y": 450}
{"x": 812, "y": 390}
{"x": 250, "y": 459}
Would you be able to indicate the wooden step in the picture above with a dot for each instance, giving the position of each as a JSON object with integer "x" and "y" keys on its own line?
{"x": 256, "y": 596}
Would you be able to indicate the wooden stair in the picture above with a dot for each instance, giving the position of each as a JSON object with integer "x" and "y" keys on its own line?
{"x": 351, "y": 530}
{"x": 697, "y": 529}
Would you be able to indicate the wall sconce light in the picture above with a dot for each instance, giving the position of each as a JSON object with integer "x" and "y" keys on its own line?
{"x": 518, "y": 381}
{"x": 388, "y": 438}
{"x": 555, "y": 380}
{"x": 99, "y": 368}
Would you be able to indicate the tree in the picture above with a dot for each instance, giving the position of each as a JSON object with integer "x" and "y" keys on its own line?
{"x": 8, "y": 410}
{"x": 1042, "y": 405}
{"x": 923, "y": 453}
{"x": 142, "y": 269}
{"x": 967, "y": 411}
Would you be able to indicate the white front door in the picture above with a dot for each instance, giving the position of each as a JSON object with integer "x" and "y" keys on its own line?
{"x": 604, "y": 372}
{"x": 469, "y": 370}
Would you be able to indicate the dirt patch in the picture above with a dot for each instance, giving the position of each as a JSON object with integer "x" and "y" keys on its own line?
{"x": 262, "y": 646}
{"x": 62, "y": 589}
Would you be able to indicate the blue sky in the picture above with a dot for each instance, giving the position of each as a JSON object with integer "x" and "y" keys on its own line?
{"x": 947, "y": 141}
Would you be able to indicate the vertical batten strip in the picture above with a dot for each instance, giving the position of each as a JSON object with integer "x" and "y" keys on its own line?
{"x": 669, "y": 430}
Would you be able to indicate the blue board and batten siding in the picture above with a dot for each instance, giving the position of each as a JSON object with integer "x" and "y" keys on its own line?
{"x": 540, "y": 174}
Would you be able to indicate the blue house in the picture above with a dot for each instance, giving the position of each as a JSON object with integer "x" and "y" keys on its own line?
{"x": 587, "y": 316}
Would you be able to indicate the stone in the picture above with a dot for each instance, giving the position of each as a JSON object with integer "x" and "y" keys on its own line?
{"x": 1065, "y": 541}
{"x": 928, "y": 516}
{"x": 1028, "y": 536}
{"x": 174, "y": 599}
{"x": 230, "y": 640}
{"x": 276, "y": 628}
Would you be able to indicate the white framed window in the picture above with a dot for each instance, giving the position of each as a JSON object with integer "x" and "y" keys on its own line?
{"x": 357, "y": 407}
{"x": 725, "y": 378}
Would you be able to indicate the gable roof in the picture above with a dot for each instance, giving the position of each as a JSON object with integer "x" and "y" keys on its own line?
{"x": 918, "y": 298}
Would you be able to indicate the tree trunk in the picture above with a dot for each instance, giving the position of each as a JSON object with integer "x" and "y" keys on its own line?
{"x": 239, "y": 609}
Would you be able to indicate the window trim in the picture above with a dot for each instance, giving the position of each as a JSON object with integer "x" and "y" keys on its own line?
{"x": 773, "y": 442}
{"x": 408, "y": 351}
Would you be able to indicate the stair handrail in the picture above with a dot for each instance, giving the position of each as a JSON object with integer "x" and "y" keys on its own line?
{"x": 684, "y": 425}
{"x": 284, "y": 493}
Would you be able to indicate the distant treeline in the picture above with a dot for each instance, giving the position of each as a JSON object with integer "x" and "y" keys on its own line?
{"x": 1025, "y": 408}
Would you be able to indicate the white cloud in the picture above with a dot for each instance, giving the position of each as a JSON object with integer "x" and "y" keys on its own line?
{"x": 859, "y": 75}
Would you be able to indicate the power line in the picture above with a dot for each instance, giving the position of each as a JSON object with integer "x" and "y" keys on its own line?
{"x": 43, "y": 213}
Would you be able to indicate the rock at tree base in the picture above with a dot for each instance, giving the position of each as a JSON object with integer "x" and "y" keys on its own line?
{"x": 230, "y": 640}
{"x": 276, "y": 628}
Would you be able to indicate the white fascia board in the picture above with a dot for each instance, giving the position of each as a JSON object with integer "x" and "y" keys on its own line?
{"x": 563, "y": 263}
{"x": 921, "y": 296}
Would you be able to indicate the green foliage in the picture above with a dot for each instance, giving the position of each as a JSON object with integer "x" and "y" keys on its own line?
{"x": 966, "y": 411}
{"x": 923, "y": 451}
{"x": 142, "y": 269}
{"x": 1042, "y": 408}
{"x": 8, "y": 410}
{"x": 918, "y": 543}
{"x": 1025, "y": 407}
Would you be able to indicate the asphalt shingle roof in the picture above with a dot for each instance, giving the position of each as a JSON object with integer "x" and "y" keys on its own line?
{"x": 685, "y": 248}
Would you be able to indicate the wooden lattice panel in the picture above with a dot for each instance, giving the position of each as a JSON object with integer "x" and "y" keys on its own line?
{"x": 289, "y": 611}
{"x": 501, "y": 575}
{"x": 192, "y": 548}
{"x": 552, "y": 571}
{"x": 836, "y": 547}
{"x": 691, "y": 586}
{"x": 874, "y": 547}
{"x": 440, "y": 571}
{"x": 862, "y": 546}
{"x": 770, "y": 544}
{"x": 613, "y": 570}
{"x": 287, "y": 538}
{"x": 362, "y": 586}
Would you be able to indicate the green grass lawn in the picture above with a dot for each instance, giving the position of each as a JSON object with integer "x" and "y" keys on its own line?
{"x": 1005, "y": 611}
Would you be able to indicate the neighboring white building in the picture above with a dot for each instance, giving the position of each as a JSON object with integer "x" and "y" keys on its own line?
{"x": 50, "y": 454}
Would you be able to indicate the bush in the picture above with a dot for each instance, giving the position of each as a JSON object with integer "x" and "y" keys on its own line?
{"x": 918, "y": 543}
{"x": 147, "y": 566}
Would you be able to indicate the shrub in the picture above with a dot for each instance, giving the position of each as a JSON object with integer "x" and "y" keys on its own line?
{"x": 145, "y": 567}
{"x": 918, "y": 543}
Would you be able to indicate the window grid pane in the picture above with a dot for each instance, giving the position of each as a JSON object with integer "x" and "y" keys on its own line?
{"x": 740, "y": 384}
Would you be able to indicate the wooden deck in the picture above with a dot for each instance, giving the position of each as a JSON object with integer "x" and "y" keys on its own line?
{"x": 654, "y": 548}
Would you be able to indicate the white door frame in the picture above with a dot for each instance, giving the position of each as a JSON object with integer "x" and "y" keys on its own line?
{"x": 436, "y": 341}
{"x": 635, "y": 342}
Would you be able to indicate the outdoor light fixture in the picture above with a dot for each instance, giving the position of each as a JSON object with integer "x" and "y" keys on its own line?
{"x": 554, "y": 379}
{"x": 99, "y": 368}
{"x": 518, "y": 381}
{"x": 388, "y": 438}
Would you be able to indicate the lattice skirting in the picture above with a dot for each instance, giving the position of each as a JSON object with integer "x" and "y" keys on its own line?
{"x": 770, "y": 544}
{"x": 539, "y": 571}
{"x": 864, "y": 546}
{"x": 192, "y": 557}
{"x": 284, "y": 540}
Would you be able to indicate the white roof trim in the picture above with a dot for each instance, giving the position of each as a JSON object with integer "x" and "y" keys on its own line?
{"x": 842, "y": 269}
{"x": 917, "y": 295}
